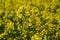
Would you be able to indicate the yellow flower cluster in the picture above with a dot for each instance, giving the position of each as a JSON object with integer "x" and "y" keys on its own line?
{"x": 29, "y": 20}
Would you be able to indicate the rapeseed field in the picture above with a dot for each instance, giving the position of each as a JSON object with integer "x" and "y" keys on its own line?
{"x": 29, "y": 19}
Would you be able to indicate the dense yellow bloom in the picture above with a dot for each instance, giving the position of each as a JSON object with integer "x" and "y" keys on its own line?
{"x": 29, "y": 20}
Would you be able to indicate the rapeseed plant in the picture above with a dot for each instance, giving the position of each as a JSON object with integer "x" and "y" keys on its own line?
{"x": 29, "y": 20}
